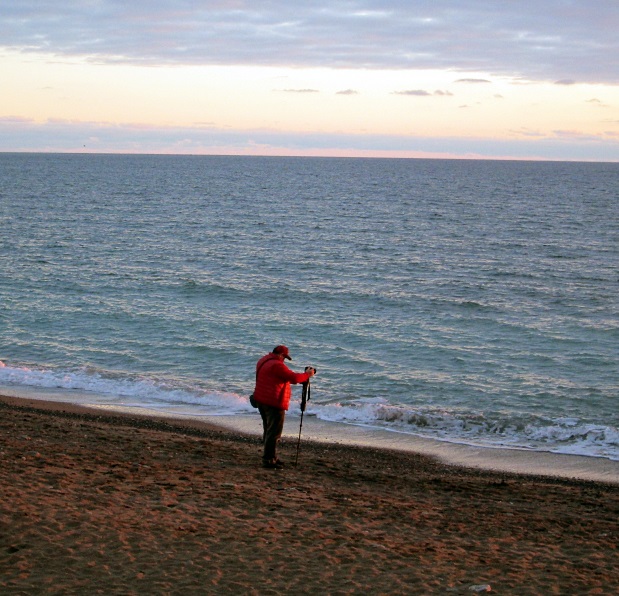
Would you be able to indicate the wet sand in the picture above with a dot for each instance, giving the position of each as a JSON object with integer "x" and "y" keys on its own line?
{"x": 98, "y": 502}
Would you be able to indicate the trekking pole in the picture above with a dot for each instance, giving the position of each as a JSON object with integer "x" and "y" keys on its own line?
{"x": 305, "y": 397}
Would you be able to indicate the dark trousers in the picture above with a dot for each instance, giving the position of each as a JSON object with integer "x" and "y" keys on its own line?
{"x": 273, "y": 426}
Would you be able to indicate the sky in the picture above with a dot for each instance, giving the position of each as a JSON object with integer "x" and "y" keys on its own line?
{"x": 500, "y": 79}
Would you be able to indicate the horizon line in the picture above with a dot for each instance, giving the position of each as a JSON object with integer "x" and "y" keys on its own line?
{"x": 314, "y": 155}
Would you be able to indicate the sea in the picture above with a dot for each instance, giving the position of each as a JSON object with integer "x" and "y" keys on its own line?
{"x": 465, "y": 302}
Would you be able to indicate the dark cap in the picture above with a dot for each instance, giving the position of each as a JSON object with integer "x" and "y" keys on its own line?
{"x": 283, "y": 351}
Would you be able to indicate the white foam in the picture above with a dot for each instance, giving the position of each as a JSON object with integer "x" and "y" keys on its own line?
{"x": 562, "y": 435}
{"x": 139, "y": 392}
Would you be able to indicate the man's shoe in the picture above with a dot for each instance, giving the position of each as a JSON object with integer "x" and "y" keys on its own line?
{"x": 273, "y": 465}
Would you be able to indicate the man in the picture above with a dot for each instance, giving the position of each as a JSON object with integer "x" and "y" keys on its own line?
{"x": 272, "y": 393}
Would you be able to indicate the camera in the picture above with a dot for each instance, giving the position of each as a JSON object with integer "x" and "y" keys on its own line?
{"x": 310, "y": 368}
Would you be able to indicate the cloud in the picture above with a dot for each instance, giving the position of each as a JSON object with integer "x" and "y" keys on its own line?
{"x": 348, "y": 92}
{"x": 415, "y": 92}
{"x": 15, "y": 120}
{"x": 300, "y": 91}
{"x": 596, "y": 102}
{"x": 575, "y": 134}
{"x": 515, "y": 39}
{"x": 525, "y": 132}
{"x": 566, "y": 82}
{"x": 474, "y": 81}
{"x": 422, "y": 93}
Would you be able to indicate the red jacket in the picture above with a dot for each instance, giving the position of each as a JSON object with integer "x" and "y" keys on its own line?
{"x": 273, "y": 380}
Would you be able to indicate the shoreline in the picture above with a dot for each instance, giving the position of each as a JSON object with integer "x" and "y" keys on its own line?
{"x": 212, "y": 426}
{"x": 139, "y": 504}
{"x": 492, "y": 459}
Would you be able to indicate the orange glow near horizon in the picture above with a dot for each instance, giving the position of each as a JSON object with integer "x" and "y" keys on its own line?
{"x": 420, "y": 104}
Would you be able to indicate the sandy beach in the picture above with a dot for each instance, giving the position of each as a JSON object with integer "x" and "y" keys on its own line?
{"x": 108, "y": 503}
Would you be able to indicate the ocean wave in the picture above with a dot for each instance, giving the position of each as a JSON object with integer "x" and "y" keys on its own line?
{"x": 117, "y": 388}
{"x": 487, "y": 429}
